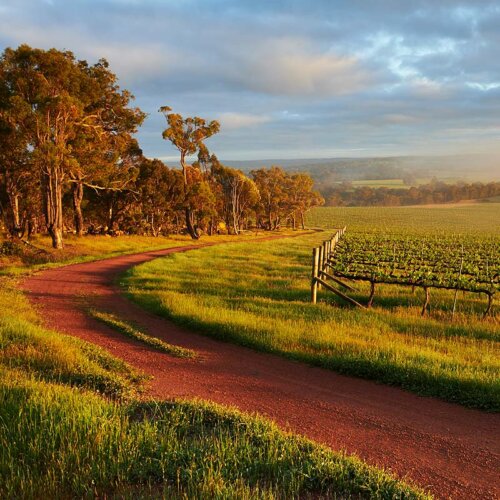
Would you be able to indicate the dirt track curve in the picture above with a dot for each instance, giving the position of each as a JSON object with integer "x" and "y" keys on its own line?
{"x": 449, "y": 450}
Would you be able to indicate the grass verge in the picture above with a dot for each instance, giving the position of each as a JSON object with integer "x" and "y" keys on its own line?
{"x": 133, "y": 332}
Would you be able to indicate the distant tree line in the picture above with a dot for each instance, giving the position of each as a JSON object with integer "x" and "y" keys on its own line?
{"x": 69, "y": 161}
{"x": 433, "y": 193}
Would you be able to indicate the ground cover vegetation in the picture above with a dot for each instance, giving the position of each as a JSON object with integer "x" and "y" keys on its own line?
{"x": 74, "y": 422}
{"x": 259, "y": 296}
{"x": 21, "y": 258}
{"x": 18, "y": 258}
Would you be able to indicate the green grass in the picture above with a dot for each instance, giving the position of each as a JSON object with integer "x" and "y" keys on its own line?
{"x": 27, "y": 348}
{"x": 133, "y": 332}
{"x": 258, "y": 296}
{"x": 60, "y": 443}
{"x": 71, "y": 425}
{"x": 27, "y": 259}
{"x": 378, "y": 183}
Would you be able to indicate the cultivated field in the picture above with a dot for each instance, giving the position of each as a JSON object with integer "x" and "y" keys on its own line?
{"x": 260, "y": 296}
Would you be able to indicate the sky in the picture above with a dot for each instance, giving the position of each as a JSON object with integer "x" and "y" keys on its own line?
{"x": 292, "y": 79}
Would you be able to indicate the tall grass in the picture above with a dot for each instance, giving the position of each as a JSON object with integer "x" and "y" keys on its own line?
{"x": 60, "y": 443}
{"x": 258, "y": 295}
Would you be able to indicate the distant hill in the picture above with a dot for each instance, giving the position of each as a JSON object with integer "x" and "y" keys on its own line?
{"x": 327, "y": 171}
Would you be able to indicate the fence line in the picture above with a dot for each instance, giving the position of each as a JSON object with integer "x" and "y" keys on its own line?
{"x": 320, "y": 262}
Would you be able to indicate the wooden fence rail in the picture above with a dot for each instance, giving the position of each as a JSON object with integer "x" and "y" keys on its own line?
{"x": 320, "y": 262}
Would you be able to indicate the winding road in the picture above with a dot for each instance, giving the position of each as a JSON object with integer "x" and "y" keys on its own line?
{"x": 451, "y": 451}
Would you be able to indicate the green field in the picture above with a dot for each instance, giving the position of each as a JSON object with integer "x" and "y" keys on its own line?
{"x": 387, "y": 183}
{"x": 476, "y": 220}
{"x": 74, "y": 423}
{"x": 259, "y": 296}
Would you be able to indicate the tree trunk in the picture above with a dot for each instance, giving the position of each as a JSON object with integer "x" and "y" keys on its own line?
{"x": 52, "y": 205}
{"x": 111, "y": 219}
{"x": 57, "y": 237}
{"x": 302, "y": 220}
{"x": 211, "y": 227}
{"x": 77, "y": 191}
{"x": 31, "y": 228}
{"x": 12, "y": 216}
{"x": 190, "y": 225}
{"x": 188, "y": 211}
{"x": 16, "y": 219}
{"x": 236, "y": 228}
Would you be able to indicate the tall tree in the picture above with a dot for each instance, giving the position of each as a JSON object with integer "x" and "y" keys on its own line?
{"x": 271, "y": 184}
{"x": 76, "y": 121}
{"x": 161, "y": 196}
{"x": 188, "y": 136}
{"x": 116, "y": 192}
{"x": 302, "y": 197}
{"x": 44, "y": 87}
{"x": 99, "y": 151}
{"x": 239, "y": 196}
{"x": 18, "y": 186}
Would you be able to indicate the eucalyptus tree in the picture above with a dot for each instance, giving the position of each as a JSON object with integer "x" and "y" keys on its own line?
{"x": 271, "y": 184}
{"x": 18, "y": 187}
{"x": 302, "y": 197}
{"x": 74, "y": 120}
{"x": 188, "y": 136}
{"x": 239, "y": 196}
{"x": 161, "y": 197}
{"x": 42, "y": 102}
{"x": 284, "y": 196}
{"x": 103, "y": 154}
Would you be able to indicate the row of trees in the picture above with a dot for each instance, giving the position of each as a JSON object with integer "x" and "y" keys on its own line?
{"x": 69, "y": 161}
{"x": 432, "y": 193}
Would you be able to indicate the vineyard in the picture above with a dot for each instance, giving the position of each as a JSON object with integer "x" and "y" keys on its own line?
{"x": 455, "y": 263}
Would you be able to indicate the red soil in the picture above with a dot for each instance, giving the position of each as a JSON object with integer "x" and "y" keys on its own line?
{"x": 451, "y": 451}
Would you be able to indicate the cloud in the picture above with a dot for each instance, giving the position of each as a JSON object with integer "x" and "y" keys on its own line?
{"x": 399, "y": 119}
{"x": 230, "y": 121}
{"x": 484, "y": 87}
{"x": 291, "y": 67}
{"x": 385, "y": 77}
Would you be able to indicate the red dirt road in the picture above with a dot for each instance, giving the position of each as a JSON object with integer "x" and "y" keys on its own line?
{"x": 451, "y": 451}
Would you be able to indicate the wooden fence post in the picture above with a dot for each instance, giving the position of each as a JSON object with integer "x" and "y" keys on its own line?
{"x": 320, "y": 261}
{"x": 320, "y": 257}
{"x": 314, "y": 275}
